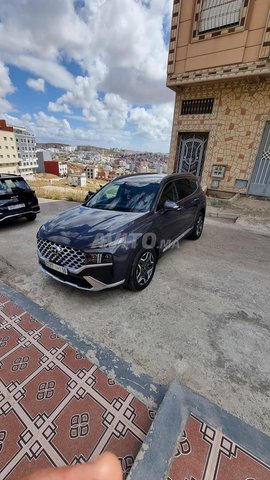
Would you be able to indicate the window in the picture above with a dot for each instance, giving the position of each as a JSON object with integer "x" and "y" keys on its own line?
{"x": 125, "y": 196}
{"x": 216, "y": 14}
{"x": 11, "y": 138}
{"x": 5, "y": 138}
{"x": 241, "y": 183}
{"x": 7, "y": 147}
{"x": 185, "y": 187}
{"x": 7, "y": 186}
{"x": 197, "y": 107}
{"x": 12, "y": 148}
{"x": 169, "y": 193}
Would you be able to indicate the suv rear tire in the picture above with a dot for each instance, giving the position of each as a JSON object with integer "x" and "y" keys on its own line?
{"x": 142, "y": 270}
{"x": 30, "y": 217}
{"x": 198, "y": 227}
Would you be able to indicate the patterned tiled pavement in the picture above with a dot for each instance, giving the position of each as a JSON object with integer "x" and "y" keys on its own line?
{"x": 204, "y": 453}
{"x": 56, "y": 407}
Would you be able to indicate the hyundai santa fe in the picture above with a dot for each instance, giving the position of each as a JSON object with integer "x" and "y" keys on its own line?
{"x": 17, "y": 199}
{"x": 117, "y": 236}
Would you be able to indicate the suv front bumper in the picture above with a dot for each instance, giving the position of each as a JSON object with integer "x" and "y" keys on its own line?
{"x": 89, "y": 277}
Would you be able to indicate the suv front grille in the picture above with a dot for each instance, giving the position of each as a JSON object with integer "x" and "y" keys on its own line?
{"x": 61, "y": 254}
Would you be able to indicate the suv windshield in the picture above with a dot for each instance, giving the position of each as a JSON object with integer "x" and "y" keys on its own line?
{"x": 125, "y": 196}
{"x": 8, "y": 185}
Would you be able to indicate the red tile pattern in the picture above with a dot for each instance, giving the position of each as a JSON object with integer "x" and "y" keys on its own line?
{"x": 56, "y": 407}
{"x": 204, "y": 453}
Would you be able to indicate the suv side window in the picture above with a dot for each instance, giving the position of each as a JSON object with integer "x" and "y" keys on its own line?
{"x": 185, "y": 187}
{"x": 169, "y": 193}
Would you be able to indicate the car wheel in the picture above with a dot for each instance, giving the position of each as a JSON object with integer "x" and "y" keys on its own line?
{"x": 142, "y": 270}
{"x": 198, "y": 227}
{"x": 30, "y": 217}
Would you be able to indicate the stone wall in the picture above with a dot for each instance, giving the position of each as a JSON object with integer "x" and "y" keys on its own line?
{"x": 235, "y": 127}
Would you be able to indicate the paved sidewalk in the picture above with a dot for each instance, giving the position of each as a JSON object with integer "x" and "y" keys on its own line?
{"x": 250, "y": 213}
{"x": 191, "y": 438}
{"x": 56, "y": 407}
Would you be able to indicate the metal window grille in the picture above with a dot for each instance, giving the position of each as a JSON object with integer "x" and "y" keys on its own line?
{"x": 197, "y": 107}
{"x": 217, "y": 14}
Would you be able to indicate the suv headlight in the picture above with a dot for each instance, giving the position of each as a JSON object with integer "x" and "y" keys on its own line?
{"x": 99, "y": 258}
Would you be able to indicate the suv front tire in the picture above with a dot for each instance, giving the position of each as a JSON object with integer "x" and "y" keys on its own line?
{"x": 142, "y": 270}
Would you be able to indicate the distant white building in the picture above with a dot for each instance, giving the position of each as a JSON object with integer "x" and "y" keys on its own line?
{"x": 53, "y": 150}
{"x": 77, "y": 180}
{"x": 69, "y": 148}
{"x": 159, "y": 167}
{"x": 26, "y": 147}
{"x": 91, "y": 172}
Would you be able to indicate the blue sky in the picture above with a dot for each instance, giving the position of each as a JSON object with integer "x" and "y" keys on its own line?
{"x": 87, "y": 72}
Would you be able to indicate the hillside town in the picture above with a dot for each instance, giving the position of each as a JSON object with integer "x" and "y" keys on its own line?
{"x": 20, "y": 153}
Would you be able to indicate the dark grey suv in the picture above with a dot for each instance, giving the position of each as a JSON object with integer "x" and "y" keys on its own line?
{"x": 117, "y": 236}
{"x": 17, "y": 199}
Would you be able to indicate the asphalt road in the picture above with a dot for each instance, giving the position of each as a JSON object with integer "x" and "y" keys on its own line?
{"x": 204, "y": 319}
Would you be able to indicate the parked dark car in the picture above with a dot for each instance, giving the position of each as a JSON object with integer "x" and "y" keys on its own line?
{"x": 117, "y": 236}
{"x": 17, "y": 199}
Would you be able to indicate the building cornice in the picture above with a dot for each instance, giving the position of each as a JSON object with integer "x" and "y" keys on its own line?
{"x": 241, "y": 70}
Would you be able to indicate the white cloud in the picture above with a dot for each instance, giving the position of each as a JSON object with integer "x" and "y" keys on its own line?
{"x": 5, "y": 106}
{"x": 26, "y": 117}
{"x": 52, "y": 72}
{"x": 6, "y": 88}
{"x": 155, "y": 122}
{"x": 36, "y": 83}
{"x": 58, "y": 107}
{"x": 119, "y": 46}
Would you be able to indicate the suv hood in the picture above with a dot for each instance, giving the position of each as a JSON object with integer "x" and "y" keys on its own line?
{"x": 81, "y": 226}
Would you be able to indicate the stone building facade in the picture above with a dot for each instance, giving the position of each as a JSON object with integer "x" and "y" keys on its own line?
{"x": 221, "y": 126}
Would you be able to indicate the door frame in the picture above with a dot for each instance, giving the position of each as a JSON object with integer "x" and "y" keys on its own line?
{"x": 265, "y": 135}
{"x": 179, "y": 145}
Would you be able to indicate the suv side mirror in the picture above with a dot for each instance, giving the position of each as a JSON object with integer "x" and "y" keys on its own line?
{"x": 88, "y": 196}
{"x": 169, "y": 205}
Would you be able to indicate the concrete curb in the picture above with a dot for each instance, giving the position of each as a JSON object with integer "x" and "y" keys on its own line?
{"x": 227, "y": 216}
{"x": 154, "y": 459}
